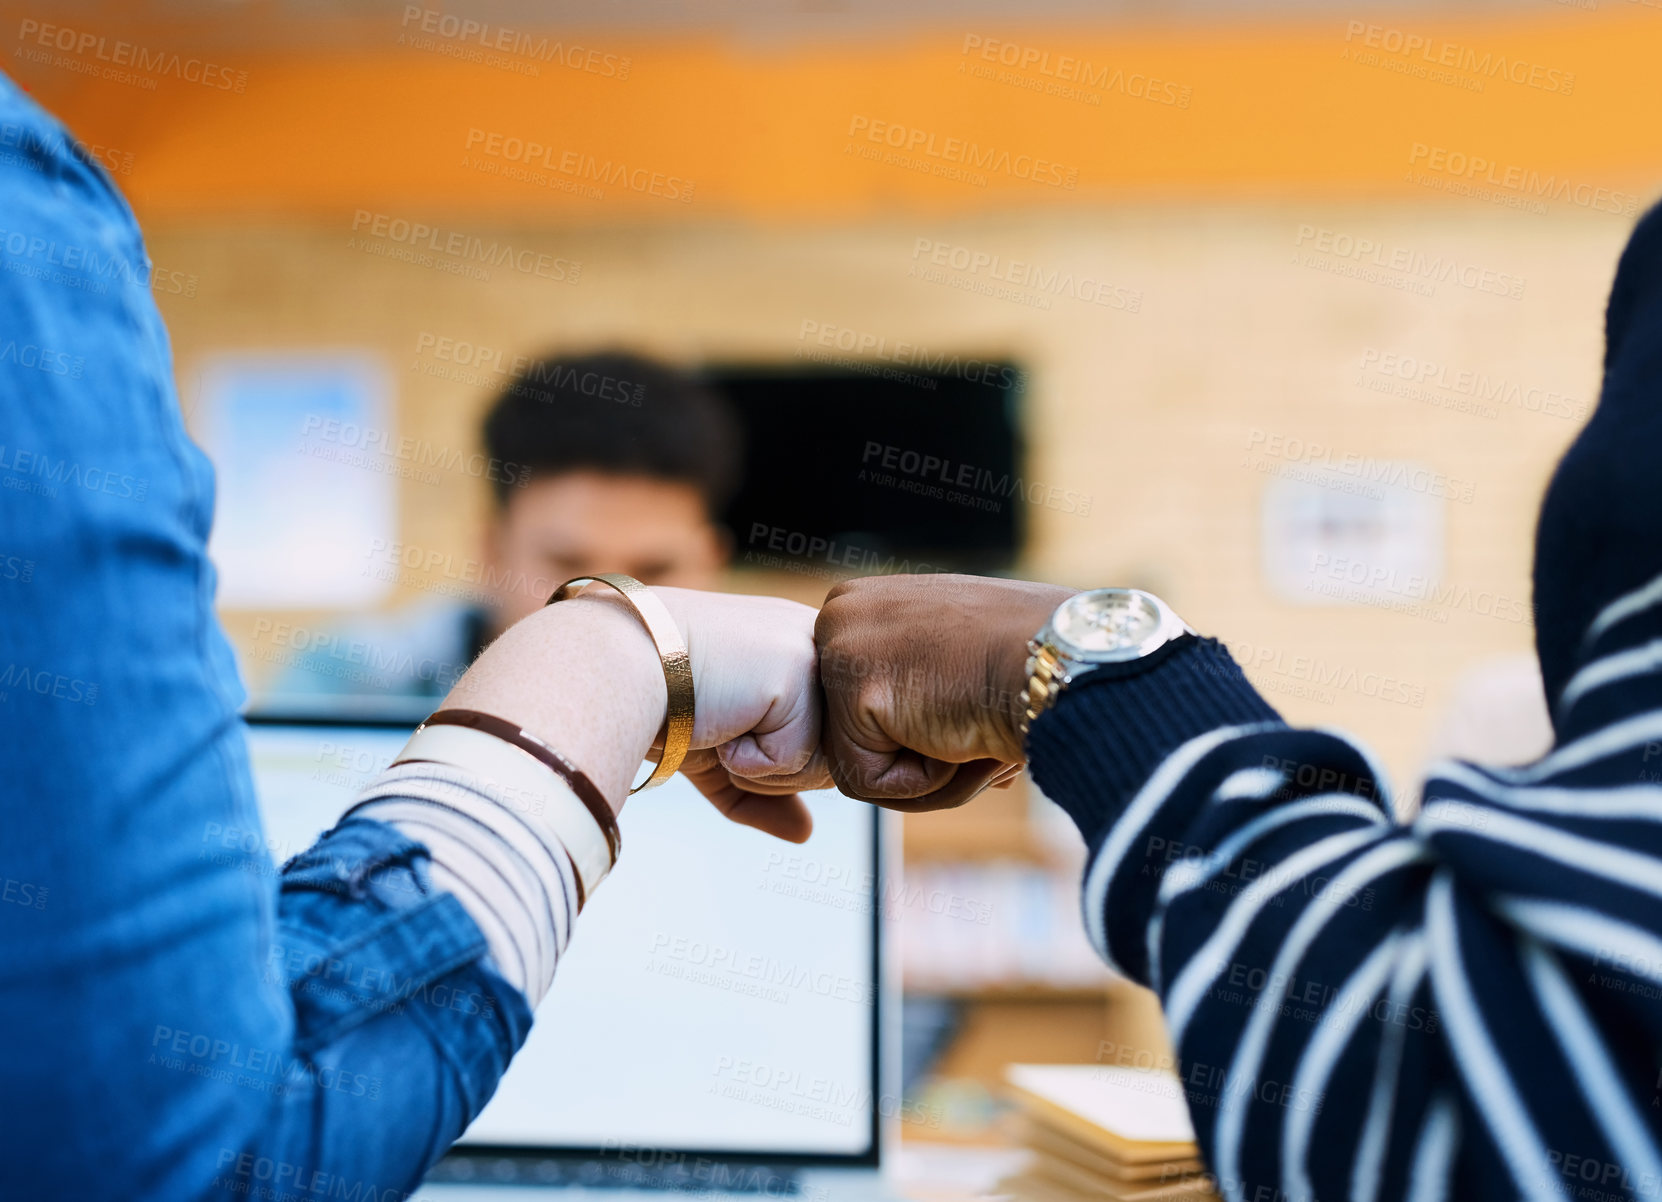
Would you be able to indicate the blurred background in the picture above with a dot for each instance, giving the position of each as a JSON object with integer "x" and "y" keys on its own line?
{"x": 1283, "y": 311}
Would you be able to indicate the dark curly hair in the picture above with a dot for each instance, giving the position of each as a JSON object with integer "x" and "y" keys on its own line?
{"x": 618, "y": 413}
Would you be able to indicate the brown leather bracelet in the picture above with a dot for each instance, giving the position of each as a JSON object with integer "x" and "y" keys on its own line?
{"x": 527, "y": 742}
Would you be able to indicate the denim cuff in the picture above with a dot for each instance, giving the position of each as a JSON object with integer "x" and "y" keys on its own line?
{"x": 362, "y": 932}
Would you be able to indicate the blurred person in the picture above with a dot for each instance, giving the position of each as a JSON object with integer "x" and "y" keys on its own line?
{"x": 618, "y": 464}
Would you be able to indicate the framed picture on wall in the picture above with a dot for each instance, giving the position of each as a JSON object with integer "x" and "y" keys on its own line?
{"x": 302, "y": 495}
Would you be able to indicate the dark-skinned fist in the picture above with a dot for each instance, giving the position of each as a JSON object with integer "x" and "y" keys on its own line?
{"x": 921, "y": 676}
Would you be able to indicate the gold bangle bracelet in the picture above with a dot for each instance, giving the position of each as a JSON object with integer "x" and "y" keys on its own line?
{"x": 672, "y": 650}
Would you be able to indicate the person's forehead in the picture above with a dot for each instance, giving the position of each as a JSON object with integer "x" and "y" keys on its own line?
{"x": 573, "y": 502}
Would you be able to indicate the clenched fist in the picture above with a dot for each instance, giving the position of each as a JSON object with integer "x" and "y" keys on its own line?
{"x": 921, "y": 676}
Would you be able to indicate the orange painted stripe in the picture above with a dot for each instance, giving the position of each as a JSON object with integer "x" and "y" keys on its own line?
{"x": 793, "y": 131}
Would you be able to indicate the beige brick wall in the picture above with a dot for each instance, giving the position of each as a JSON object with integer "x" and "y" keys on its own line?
{"x": 1151, "y": 412}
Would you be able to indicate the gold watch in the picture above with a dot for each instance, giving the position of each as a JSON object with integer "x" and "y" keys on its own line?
{"x": 1113, "y": 630}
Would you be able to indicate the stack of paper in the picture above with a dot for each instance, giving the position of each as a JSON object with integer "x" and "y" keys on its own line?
{"x": 1105, "y": 1133}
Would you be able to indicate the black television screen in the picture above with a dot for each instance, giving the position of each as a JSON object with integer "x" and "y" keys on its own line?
{"x": 881, "y": 471}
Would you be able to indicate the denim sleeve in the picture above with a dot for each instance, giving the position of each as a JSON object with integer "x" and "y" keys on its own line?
{"x": 401, "y": 1029}
{"x": 182, "y": 1020}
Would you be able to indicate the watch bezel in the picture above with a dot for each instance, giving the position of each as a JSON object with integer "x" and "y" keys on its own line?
{"x": 1169, "y": 627}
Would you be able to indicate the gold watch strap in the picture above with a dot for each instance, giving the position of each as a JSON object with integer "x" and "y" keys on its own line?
{"x": 672, "y": 650}
{"x": 1045, "y": 680}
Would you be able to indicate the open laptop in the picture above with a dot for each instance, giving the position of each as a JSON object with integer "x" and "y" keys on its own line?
{"x": 724, "y": 1021}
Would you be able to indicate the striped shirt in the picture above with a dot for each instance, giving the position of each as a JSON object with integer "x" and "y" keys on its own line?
{"x": 1467, "y": 1005}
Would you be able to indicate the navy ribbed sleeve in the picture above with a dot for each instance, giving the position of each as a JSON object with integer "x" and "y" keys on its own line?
{"x": 1106, "y": 748}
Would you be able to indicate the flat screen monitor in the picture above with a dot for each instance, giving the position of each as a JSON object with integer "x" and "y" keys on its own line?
{"x": 720, "y": 995}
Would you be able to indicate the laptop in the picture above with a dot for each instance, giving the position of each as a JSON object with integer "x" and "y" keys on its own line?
{"x": 724, "y": 1021}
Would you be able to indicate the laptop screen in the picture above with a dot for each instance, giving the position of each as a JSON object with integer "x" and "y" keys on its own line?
{"x": 719, "y": 995}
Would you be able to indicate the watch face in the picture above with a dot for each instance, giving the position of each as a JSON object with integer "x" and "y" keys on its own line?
{"x": 1110, "y": 624}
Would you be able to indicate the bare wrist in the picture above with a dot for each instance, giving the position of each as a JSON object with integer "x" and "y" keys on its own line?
{"x": 584, "y": 677}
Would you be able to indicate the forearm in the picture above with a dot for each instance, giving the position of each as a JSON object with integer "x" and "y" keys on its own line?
{"x": 584, "y": 677}
{"x": 1218, "y": 851}
{"x": 419, "y": 1029}
{"x": 1362, "y": 1008}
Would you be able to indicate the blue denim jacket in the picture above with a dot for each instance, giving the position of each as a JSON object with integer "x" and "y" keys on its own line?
{"x": 180, "y": 1021}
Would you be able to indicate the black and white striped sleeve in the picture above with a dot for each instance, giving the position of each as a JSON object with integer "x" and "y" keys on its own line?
{"x": 1468, "y": 1006}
